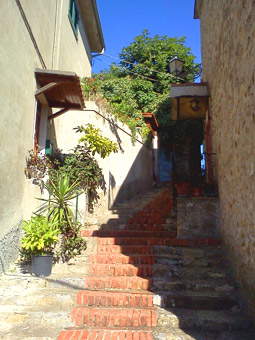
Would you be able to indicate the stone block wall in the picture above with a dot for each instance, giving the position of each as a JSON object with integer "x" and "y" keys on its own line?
{"x": 228, "y": 50}
{"x": 197, "y": 217}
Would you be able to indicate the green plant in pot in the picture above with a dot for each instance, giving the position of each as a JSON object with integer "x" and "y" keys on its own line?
{"x": 59, "y": 209}
{"x": 39, "y": 240}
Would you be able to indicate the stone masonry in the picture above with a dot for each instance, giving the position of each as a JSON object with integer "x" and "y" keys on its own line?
{"x": 198, "y": 217}
{"x": 228, "y": 49}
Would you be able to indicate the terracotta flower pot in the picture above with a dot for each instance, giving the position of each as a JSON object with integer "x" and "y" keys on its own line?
{"x": 183, "y": 188}
{"x": 196, "y": 192}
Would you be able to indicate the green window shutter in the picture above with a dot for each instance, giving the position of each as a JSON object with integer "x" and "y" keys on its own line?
{"x": 73, "y": 16}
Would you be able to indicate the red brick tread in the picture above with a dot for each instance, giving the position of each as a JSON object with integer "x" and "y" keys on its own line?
{"x": 120, "y": 270}
{"x": 117, "y": 282}
{"x": 103, "y": 334}
{"x": 114, "y": 299}
{"x": 114, "y": 317}
{"x": 126, "y": 250}
{"x": 121, "y": 259}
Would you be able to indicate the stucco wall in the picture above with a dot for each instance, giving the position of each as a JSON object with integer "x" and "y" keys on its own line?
{"x": 48, "y": 20}
{"x": 228, "y": 49}
{"x": 127, "y": 172}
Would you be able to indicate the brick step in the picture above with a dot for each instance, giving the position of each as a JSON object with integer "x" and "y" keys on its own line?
{"x": 184, "y": 253}
{"x": 127, "y": 233}
{"x": 105, "y": 334}
{"x": 120, "y": 270}
{"x": 178, "y": 334}
{"x": 121, "y": 259}
{"x": 113, "y": 299}
{"x": 152, "y": 241}
{"x": 117, "y": 249}
{"x": 117, "y": 282}
{"x": 192, "y": 300}
{"x": 114, "y": 317}
{"x": 215, "y": 321}
{"x": 158, "y": 271}
{"x": 192, "y": 285}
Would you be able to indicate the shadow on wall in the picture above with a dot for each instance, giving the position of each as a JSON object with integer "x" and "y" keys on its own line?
{"x": 112, "y": 185}
{"x": 138, "y": 180}
{"x": 114, "y": 130}
{"x": 139, "y": 176}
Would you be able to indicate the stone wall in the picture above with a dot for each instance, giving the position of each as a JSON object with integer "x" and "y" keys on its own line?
{"x": 228, "y": 49}
{"x": 197, "y": 217}
{"x": 9, "y": 249}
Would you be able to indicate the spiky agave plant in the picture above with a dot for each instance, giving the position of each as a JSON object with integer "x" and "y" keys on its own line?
{"x": 58, "y": 207}
{"x": 61, "y": 192}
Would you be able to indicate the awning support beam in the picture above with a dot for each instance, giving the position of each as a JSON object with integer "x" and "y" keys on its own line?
{"x": 59, "y": 113}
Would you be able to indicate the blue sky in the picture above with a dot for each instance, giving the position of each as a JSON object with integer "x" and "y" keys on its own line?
{"x": 122, "y": 20}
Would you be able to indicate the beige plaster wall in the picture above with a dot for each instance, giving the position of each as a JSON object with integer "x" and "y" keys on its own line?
{"x": 53, "y": 33}
{"x": 71, "y": 54}
{"x": 228, "y": 49}
{"x": 127, "y": 172}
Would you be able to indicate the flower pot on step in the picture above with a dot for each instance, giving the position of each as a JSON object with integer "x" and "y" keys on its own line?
{"x": 196, "y": 192}
{"x": 183, "y": 188}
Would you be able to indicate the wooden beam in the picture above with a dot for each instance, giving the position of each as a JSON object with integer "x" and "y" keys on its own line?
{"x": 42, "y": 99}
{"x": 59, "y": 105}
{"x": 59, "y": 113}
{"x": 40, "y": 93}
{"x": 46, "y": 88}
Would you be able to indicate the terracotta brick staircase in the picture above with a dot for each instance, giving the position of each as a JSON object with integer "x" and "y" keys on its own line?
{"x": 141, "y": 282}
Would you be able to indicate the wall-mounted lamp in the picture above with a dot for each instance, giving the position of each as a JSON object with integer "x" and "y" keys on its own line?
{"x": 176, "y": 66}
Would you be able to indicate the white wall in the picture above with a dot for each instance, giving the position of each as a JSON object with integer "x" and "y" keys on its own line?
{"x": 127, "y": 172}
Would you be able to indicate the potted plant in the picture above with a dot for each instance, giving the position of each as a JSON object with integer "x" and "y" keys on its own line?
{"x": 59, "y": 210}
{"x": 183, "y": 188}
{"x": 40, "y": 237}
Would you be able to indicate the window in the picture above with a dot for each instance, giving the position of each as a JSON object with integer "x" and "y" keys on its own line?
{"x": 73, "y": 16}
{"x": 41, "y": 128}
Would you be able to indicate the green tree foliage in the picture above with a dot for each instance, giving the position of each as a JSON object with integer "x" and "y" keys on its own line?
{"x": 141, "y": 81}
{"x": 149, "y": 57}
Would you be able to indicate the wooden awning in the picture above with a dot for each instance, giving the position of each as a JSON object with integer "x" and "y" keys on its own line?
{"x": 151, "y": 120}
{"x": 59, "y": 89}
